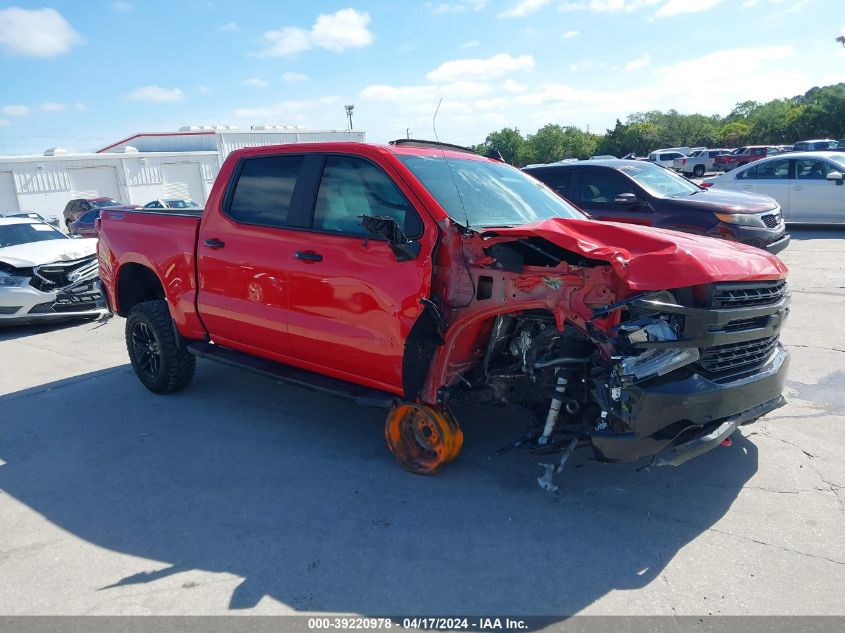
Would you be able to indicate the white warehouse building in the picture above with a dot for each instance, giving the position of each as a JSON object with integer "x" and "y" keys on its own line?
{"x": 140, "y": 168}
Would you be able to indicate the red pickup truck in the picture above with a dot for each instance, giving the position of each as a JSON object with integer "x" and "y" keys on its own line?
{"x": 423, "y": 278}
{"x": 741, "y": 156}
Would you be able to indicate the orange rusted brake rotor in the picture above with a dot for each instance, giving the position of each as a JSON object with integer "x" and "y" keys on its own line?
{"x": 422, "y": 437}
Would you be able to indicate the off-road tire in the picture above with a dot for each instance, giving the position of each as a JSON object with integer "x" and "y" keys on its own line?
{"x": 175, "y": 367}
{"x": 698, "y": 171}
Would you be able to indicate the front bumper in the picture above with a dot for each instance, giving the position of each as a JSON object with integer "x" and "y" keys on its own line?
{"x": 19, "y": 306}
{"x": 669, "y": 412}
{"x": 772, "y": 240}
{"x": 739, "y": 375}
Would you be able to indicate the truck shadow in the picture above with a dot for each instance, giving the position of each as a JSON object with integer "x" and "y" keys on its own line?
{"x": 297, "y": 494}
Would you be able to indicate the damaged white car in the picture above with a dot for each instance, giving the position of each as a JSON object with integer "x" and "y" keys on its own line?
{"x": 45, "y": 275}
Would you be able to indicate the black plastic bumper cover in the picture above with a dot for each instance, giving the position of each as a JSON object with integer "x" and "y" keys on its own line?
{"x": 664, "y": 411}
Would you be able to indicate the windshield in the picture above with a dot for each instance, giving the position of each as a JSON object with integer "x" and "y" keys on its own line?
{"x": 105, "y": 203}
{"x": 658, "y": 181}
{"x": 16, "y": 234}
{"x": 487, "y": 194}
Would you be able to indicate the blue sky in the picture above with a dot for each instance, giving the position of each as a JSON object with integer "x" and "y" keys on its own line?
{"x": 82, "y": 73}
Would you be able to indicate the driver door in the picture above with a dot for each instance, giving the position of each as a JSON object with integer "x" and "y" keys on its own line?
{"x": 597, "y": 189}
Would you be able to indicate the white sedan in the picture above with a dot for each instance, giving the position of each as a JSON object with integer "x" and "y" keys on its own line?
{"x": 45, "y": 275}
{"x": 807, "y": 185}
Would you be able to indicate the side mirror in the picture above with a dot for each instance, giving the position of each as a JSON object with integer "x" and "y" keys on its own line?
{"x": 836, "y": 176}
{"x": 387, "y": 228}
{"x": 627, "y": 199}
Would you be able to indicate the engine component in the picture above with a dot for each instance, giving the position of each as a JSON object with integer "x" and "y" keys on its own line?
{"x": 554, "y": 410}
{"x": 547, "y": 482}
{"x": 654, "y": 361}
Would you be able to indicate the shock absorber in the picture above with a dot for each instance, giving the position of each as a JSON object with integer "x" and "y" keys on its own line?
{"x": 554, "y": 408}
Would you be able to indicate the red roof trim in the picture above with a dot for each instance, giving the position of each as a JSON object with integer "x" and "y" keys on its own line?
{"x": 141, "y": 134}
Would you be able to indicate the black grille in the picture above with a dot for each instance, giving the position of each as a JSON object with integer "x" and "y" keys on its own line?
{"x": 740, "y": 325}
{"x": 9, "y": 309}
{"x": 771, "y": 220}
{"x": 747, "y": 295}
{"x": 736, "y": 356}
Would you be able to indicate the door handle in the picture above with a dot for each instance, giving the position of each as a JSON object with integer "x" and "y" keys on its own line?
{"x": 797, "y": 188}
{"x": 308, "y": 256}
{"x": 214, "y": 243}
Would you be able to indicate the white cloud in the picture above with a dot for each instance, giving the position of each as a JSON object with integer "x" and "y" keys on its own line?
{"x": 397, "y": 94}
{"x": 465, "y": 89}
{"x": 15, "y": 110}
{"x": 51, "y": 106}
{"x": 292, "y": 77}
{"x": 491, "y": 104}
{"x": 639, "y": 62}
{"x": 288, "y": 111}
{"x": 570, "y": 34}
{"x": 203, "y": 90}
{"x": 457, "y": 7}
{"x": 4, "y": 122}
{"x": 229, "y": 26}
{"x": 470, "y": 44}
{"x": 675, "y": 7}
{"x": 523, "y": 8}
{"x": 608, "y": 6}
{"x": 335, "y": 32}
{"x": 514, "y": 86}
{"x": 480, "y": 69}
{"x": 255, "y": 82}
{"x": 36, "y": 32}
{"x": 80, "y": 106}
{"x": 122, "y": 6}
{"x": 156, "y": 94}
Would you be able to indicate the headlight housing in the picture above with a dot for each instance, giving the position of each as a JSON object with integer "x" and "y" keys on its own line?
{"x": 10, "y": 281}
{"x": 742, "y": 219}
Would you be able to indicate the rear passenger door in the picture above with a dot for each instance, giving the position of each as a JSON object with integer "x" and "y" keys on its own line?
{"x": 244, "y": 252}
{"x": 559, "y": 180}
{"x": 352, "y": 304}
{"x": 771, "y": 178}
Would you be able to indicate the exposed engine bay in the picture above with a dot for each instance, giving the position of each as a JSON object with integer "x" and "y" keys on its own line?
{"x": 659, "y": 373}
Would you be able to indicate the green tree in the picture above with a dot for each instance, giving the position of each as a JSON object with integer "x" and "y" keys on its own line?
{"x": 509, "y": 143}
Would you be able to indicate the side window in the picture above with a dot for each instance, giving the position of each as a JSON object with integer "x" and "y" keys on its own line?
{"x": 748, "y": 174}
{"x": 714, "y": 154}
{"x": 811, "y": 169}
{"x": 773, "y": 170}
{"x": 558, "y": 180}
{"x": 760, "y": 151}
{"x": 602, "y": 187}
{"x": 352, "y": 187}
{"x": 264, "y": 190}
{"x": 89, "y": 216}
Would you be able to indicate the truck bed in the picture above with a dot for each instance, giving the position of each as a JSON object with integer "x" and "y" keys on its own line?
{"x": 162, "y": 241}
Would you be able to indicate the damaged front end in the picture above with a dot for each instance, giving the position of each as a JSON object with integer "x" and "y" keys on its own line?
{"x": 663, "y": 374}
{"x": 50, "y": 292}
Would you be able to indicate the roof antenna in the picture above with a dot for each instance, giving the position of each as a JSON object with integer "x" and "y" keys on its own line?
{"x": 434, "y": 120}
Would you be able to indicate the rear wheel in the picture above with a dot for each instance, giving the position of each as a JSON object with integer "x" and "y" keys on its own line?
{"x": 422, "y": 437}
{"x": 157, "y": 358}
{"x": 698, "y": 171}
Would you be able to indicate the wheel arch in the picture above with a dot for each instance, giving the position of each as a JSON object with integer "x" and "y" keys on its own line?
{"x": 135, "y": 284}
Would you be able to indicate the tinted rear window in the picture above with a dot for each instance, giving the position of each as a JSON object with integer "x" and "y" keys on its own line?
{"x": 264, "y": 190}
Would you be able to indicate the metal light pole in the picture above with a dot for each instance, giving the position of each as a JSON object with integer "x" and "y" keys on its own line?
{"x": 349, "y": 110}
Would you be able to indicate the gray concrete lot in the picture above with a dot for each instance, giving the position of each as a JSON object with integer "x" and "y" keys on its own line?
{"x": 244, "y": 495}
